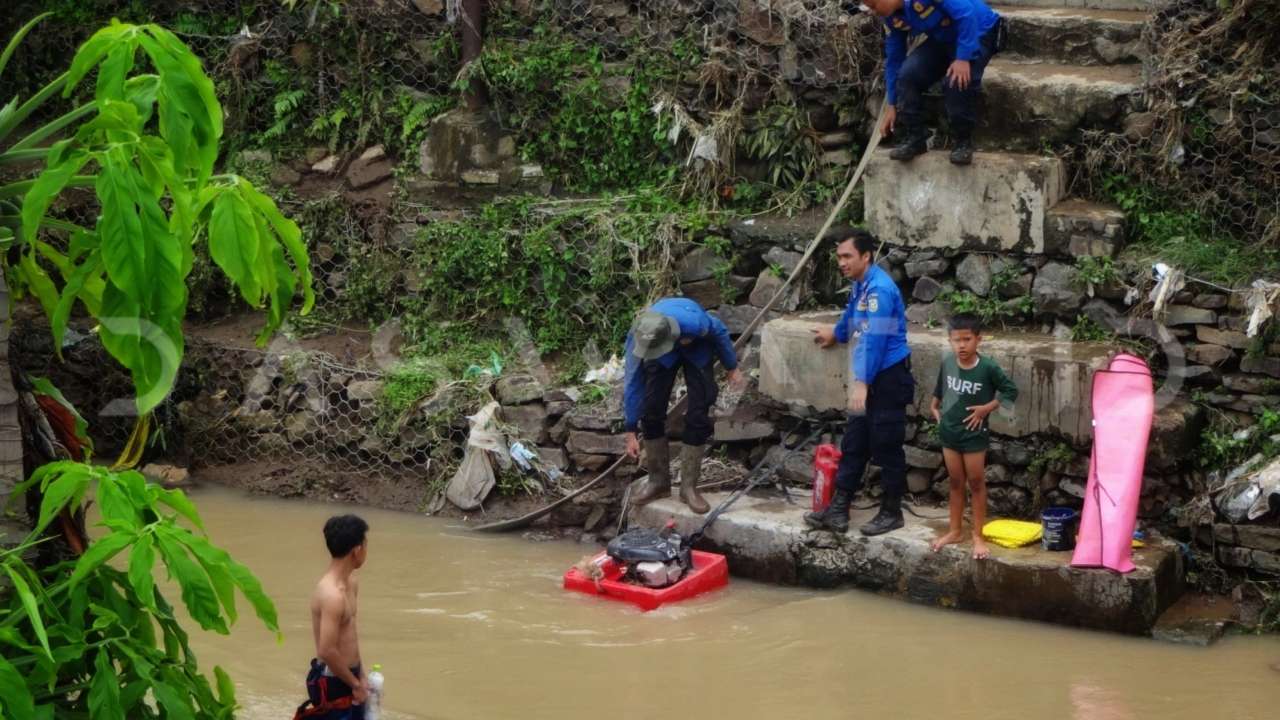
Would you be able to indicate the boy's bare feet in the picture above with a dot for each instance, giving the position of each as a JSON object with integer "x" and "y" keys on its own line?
{"x": 980, "y": 551}
{"x": 950, "y": 538}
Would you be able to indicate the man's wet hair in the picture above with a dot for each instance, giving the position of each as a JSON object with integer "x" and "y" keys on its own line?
{"x": 965, "y": 321}
{"x": 863, "y": 241}
{"x": 344, "y": 533}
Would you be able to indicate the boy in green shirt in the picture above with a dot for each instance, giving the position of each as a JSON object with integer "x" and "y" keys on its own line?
{"x": 970, "y": 387}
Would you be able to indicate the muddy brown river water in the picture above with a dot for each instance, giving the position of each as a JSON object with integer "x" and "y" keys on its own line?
{"x": 469, "y": 626}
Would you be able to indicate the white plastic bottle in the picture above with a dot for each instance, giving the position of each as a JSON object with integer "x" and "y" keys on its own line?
{"x": 373, "y": 706}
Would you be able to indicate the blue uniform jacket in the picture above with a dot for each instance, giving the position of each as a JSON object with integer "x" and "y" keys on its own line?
{"x": 708, "y": 334}
{"x": 958, "y": 22}
{"x": 876, "y": 313}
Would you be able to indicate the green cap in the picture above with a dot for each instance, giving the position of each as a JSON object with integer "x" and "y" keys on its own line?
{"x": 654, "y": 334}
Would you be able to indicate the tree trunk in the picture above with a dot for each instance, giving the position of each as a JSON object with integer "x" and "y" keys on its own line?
{"x": 472, "y": 21}
{"x": 11, "y": 472}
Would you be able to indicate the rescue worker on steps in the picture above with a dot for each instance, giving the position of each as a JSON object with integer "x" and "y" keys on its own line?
{"x": 880, "y": 390}
{"x": 674, "y": 333}
{"x": 960, "y": 38}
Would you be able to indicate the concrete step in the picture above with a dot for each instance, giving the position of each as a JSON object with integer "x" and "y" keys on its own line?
{"x": 1053, "y": 376}
{"x": 1074, "y": 36}
{"x": 1087, "y": 4}
{"x": 765, "y": 539}
{"x": 1027, "y": 104}
{"x": 996, "y": 204}
{"x": 1076, "y": 227}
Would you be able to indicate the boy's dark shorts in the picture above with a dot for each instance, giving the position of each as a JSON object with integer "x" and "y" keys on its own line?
{"x": 964, "y": 442}
{"x": 328, "y": 697}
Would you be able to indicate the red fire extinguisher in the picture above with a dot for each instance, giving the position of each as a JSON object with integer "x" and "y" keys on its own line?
{"x": 826, "y": 459}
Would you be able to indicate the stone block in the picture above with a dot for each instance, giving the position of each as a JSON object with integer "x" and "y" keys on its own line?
{"x": 1263, "y": 365}
{"x": 767, "y": 285}
{"x": 372, "y": 167}
{"x": 1189, "y": 315}
{"x": 364, "y": 391}
{"x": 737, "y": 317}
{"x": 530, "y": 420}
{"x": 927, "y": 290}
{"x": 1077, "y": 227}
{"x": 1056, "y": 290}
{"x": 923, "y": 459}
{"x": 924, "y": 268}
{"x": 1256, "y": 537}
{"x": 1210, "y": 301}
{"x": 1207, "y": 354}
{"x": 996, "y": 204}
{"x": 1174, "y": 428}
{"x": 554, "y": 457}
{"x": 1251, "y": 384}
{"x": 1031, "y": 103}
{"x": 755, "y": 22}
{"x": 519, "y": 389}
{"x": 974, "y": 274}
{"x": 706, "y": 293}
{"x": 589, "y": 443}
{"x": 742, "y": 427}
{"x": 1075, "y": 37}
{"x": 702, "y": 263}
{"x": 592, "y": 418}
{"x": 1226, "y": 338}
{"x": 1053, "y": 377}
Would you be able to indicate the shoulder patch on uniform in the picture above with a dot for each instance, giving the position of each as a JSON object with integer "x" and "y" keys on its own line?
{"x": 873, "y": 302}
{"x": 917, "y": 6}
{"x": 899, "y": 23}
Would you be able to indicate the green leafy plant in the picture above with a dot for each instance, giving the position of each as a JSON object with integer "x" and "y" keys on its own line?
{"x": 1086, "y": 330}
{"x": 989, "y": 309}
{"x": 1224, "y": 445}
{"x": 86, "y": 639}
{"x": 146, "y": 143}
{"x": 1094, "y": 271}
{"x": 782, "y": 137}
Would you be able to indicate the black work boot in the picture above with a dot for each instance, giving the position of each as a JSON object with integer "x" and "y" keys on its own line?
{"x": 962, "y": 151}
{"x": 914, "y": 142}
{"x": 887, "y": 520}
{"x": 836, "y": 517}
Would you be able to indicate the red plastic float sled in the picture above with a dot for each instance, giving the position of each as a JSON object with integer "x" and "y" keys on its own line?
{"x": 710, "y": 571}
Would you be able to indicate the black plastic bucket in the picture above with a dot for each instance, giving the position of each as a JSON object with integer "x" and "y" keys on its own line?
{"x": 1059, "y": 525}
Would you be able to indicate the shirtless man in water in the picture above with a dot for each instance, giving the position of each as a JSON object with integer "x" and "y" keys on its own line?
{"x": 336, "y": 668}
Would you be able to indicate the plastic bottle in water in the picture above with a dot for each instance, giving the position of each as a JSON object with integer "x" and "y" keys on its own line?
{"x": 373, "y": 706}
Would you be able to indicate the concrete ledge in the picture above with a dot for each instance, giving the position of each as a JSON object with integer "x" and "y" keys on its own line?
{"x": 996, "y": 204}
{"x": 765, "y": 539}
{"x": 1053, "y": 376}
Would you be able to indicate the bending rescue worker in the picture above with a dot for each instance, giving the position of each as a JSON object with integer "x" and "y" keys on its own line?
{"x": 673, "y": 334}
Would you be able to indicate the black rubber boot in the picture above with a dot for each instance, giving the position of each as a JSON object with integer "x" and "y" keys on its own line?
{"x": 887, "y": 520}
{"x": 914, "y": 143}
{"x": 836, "y": 517}
{"x": 962, "y": 151}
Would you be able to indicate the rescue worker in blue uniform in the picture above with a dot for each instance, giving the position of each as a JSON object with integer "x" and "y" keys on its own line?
{"x": 673, "y": 334}
{"x": 960, "y": 38}
{"x": 881, "y": 386}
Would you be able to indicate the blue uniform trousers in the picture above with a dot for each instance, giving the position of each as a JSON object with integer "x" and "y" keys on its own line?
{"x": 701, "y": 384}
{"x": 926, "y": 66}
{"x": 879, "y": 434}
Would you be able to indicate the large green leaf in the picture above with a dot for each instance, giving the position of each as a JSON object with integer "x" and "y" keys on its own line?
{"x": 197, "y": 591}
{"x": 124, "y": 242}
{"x": 100, "y": 551}
{"x": 51, "y": 182}
{"x": 94, "y": 50}
{"x": 142, "y": 558}
{"x": 175, "y": 704}
{"x": 67, "y": 488}
{"x": 234, "y": 244}
{"x": 16, "y": 40}
{"x": 104, "y": 690}
{"x": 15, "y": 698}
{"x": 179, "y": 501}
{"x": 32, "y": 608}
